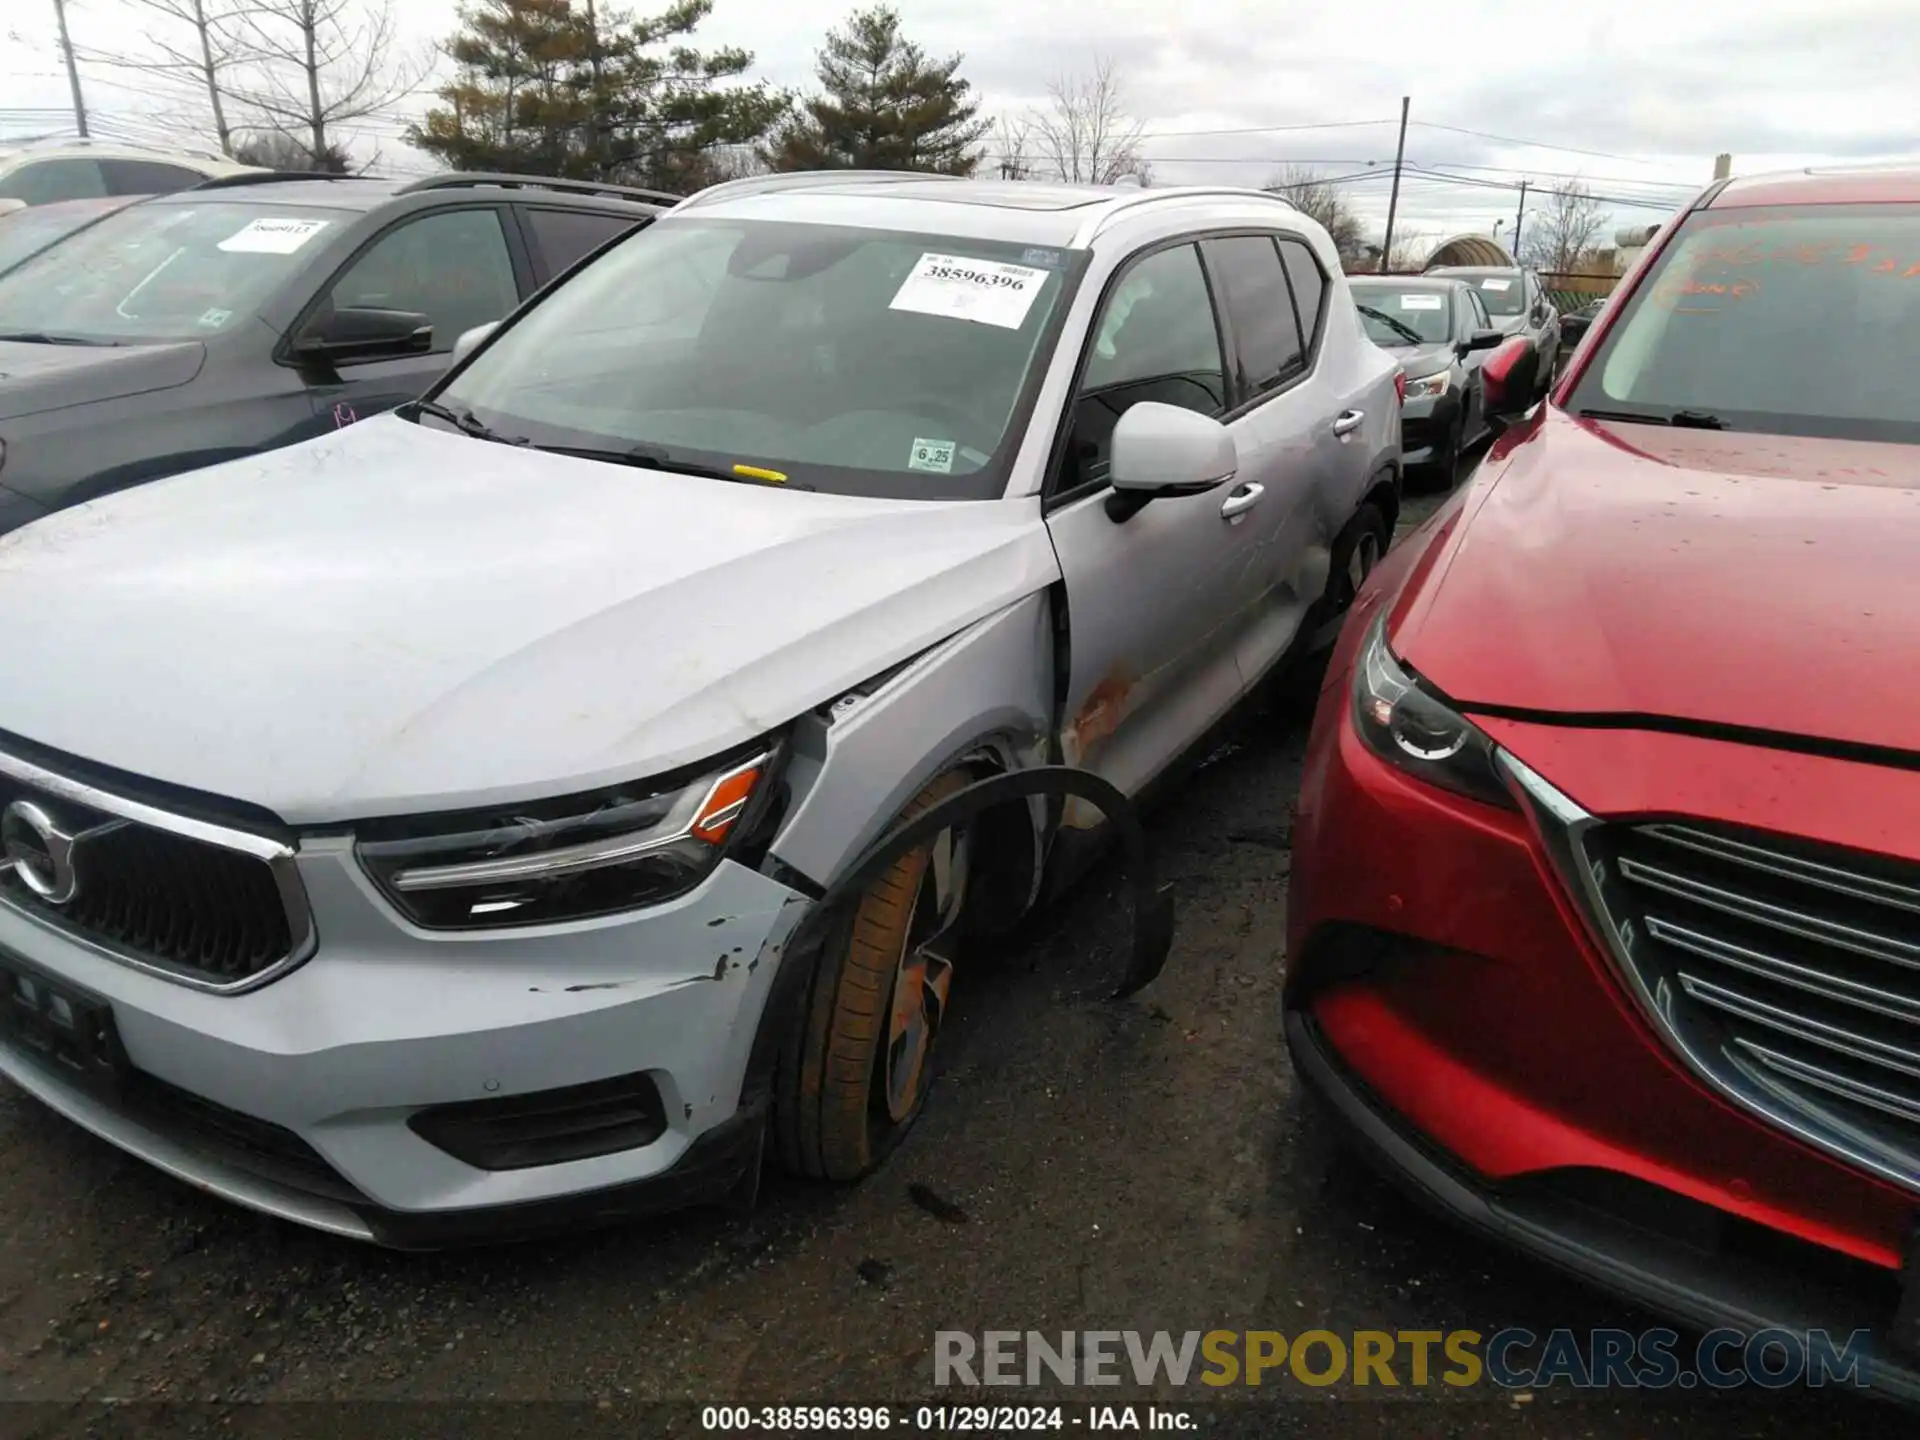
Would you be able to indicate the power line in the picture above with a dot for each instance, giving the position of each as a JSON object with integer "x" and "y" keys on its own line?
{"x": 1538, "y": 144}
{"x": 1266, "y": 129}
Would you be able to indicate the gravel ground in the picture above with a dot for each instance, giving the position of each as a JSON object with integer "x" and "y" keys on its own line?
{"x": 1135, "y": 1165}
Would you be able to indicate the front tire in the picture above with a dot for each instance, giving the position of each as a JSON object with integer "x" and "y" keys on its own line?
{"x": 856, "y": 1076}
{"x": 1357, "y": 550}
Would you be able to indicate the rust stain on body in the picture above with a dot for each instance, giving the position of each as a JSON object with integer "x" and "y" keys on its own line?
{"x": 1098, "y": 717}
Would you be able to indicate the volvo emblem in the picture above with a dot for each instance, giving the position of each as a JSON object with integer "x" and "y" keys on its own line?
{"x": 45, "y": 853}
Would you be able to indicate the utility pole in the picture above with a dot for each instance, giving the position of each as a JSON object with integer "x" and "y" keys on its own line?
{"x": 1518, "y": 216}
{"x": 73, "y": 70}
{"x": 1393, "y": 200}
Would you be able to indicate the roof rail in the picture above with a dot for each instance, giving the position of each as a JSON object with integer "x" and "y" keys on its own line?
{"x": 269, "y": 177}
{"x": 1136, "y": 199}
{"x": 803, "y": 180}
{"x": 460, "y": 179}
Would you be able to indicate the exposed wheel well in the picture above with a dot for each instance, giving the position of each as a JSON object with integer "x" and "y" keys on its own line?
{"x": 1385, "y": 493}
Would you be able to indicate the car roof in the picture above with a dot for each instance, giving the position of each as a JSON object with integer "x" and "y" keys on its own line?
{"x": 1838, "y": 185}
{"x": 362, "y": 193}
{"x": 208, "y": 162}
{"x": 1026, "y": 211}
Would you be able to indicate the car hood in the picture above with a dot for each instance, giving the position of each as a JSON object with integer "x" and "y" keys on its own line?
{"x": 34, "y": 378}
{"x": 1418, "y": 360}
{"x": 396, "y": 619}
{"x": 1624, "y": 570}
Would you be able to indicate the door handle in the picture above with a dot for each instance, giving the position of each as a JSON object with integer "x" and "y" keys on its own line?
{"x": 1243, "y": 499}
{"x": 1348, "y": 422}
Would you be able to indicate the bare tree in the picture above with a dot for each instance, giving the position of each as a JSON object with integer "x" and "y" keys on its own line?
{"x": 1318, "y": 198}
{"x": 320, "y": 64}
{"x": 191, "y": 41}
{"x": 1564, "y": 230}
{"x": 1010, "y": 147}
{"x": 1086, "y": 132}
{"x": 277, "y": 150}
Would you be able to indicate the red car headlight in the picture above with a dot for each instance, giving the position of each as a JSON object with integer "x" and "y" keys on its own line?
{"x": 1413, "y": 731}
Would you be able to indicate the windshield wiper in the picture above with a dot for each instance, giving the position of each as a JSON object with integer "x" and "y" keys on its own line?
{"x": 41, "y": 337}
{"x": 466, "y": 422}
{"x": 655, "y": 457}
{"x": 1679, "y": 419}
{"x": 1413, "y": 336}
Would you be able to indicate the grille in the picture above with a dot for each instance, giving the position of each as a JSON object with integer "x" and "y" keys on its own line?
{"x": 258, "y": 1147}
{"x": 1788, "y": 973}
{"x": 212, "y": 916}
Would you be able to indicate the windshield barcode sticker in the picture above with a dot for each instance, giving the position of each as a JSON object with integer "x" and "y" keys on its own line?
{"x": 272, "y": 236}
{"x": 1490, "y": 283}
{"x": 985, "y": 291}
{"x": 1419, "y": 302}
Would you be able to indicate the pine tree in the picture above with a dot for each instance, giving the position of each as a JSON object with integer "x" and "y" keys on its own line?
{"x": 554, "y": 87}
{"x": 884, "y": 106}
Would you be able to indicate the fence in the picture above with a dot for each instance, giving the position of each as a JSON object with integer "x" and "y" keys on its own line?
{"x": 1572, "y": 289}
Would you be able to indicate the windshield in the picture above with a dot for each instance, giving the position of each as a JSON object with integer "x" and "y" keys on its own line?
{"x": 29, "y": 231}
{"x": 162, "y": 272}
{"x": 1788, "y": 321}
{"x": 1397, "y": 317}
{"x": 860, "y": 361}
{"x": 1501, "y": 291}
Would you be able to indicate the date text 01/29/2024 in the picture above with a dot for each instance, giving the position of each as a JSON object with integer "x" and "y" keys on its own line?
{"x": 951, "y": 1419}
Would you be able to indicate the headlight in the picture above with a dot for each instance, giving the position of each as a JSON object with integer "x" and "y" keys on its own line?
{"x": 1408, "y": 728}
{"x": 541, "y": 863}
{"x": 1429, "y": 387}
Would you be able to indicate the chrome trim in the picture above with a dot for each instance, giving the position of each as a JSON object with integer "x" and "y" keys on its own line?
{"x": 1791, "y": 867}
{"x": 589, "y": 855}
{"x": 1773, "y": 917}
{"x": 281, "y": 858}
{"x": 1847, "y": 1089}
{"x": 1800, "y": 1027}
{"x": 1836, "y": 988}
{"x": 1564, "y": 826}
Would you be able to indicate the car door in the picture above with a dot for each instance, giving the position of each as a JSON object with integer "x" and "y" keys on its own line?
{"x": 1473, "y": 319}
{"x": 1152, "y": 599}
{"x": 1291, "y": 423}
{"x": 456, "y": 266}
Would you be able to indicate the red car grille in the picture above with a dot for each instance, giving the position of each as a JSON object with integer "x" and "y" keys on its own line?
{"x": 1788, "y": 974}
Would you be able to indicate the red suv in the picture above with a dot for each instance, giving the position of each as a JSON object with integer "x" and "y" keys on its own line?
{"x": 1605, "y": 913}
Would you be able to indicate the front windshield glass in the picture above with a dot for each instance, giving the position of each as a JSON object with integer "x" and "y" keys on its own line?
{"x": 1500, "y": 290}
{"x": 860, "y": 361}
{"x": 1786, "y": 320}
{"x": 162, "y": 272}
{"x": 27, "y": 232}
{"x": 1401, "y": 316}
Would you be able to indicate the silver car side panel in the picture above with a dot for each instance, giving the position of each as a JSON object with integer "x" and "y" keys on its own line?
{"x": 988, "y": 688}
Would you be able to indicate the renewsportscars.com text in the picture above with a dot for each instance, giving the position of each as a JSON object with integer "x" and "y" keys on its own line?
{"x": 1655, "y": 1359}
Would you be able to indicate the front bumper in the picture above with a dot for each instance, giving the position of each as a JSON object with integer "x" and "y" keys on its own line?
{"x": 1425, "y": 426}
{"x": 1445, "y": 992}
{"x": 294, "y": 1099}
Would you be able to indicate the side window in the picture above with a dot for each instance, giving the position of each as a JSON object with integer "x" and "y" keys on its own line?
{"x": 565, "y": 235}
{"x": 1309, "y": 286}
{"x": 452, "y": 267}
{"x": 45, "y": 181}
{"x": 1154, "y": 339}
{"x": 147, "y": 177}
{"x": 1266, "y": 334}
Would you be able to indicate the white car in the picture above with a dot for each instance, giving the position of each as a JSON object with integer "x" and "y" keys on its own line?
{"x": 85, "y": 169}
{"x": 411, "y": 832}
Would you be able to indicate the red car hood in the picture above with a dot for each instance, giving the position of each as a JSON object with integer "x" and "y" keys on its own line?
{"x": 1633, "y": 570}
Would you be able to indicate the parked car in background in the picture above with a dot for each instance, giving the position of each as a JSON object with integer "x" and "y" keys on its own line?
{"x": 250, "y": 313}
{"x": 496, "y": 748}
{"x": 1439, "y": 331}
{"x": 89, "y": 169}
{"x": 1605, "y": 908}
{"x": 1575, "y": 324}
{"x": 1518, "y": 304}
{"x": 27, "y": 230}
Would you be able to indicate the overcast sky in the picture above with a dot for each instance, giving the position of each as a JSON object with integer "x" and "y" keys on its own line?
{"x": 1633, "y": 96}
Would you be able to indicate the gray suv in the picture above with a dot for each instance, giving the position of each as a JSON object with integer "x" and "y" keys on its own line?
{"x": 466, "y": 823}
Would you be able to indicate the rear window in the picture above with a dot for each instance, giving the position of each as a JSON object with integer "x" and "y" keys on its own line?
{"x": 1797, "y": 320}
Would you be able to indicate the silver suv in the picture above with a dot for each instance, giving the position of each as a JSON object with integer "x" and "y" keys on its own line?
{"x": 419, "y": 832}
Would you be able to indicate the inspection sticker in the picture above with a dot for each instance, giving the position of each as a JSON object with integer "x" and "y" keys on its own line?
{"x": 1492, "y": 284}
{"x": 272, "y": 236}
{"x": 986, "y": 291}
{"x": 934, "y": 455}
{"x": 1419, "y": 302}
{"x": 214, "y": 319}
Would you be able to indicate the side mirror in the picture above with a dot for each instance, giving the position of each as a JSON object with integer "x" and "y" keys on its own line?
{"x": 470, "y": 340}
{"x": 1481, "y": 340}
{"x": 365, "y": 334}
{"x": 1162, "y": 450}
{"x": 1510, "y": 380}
